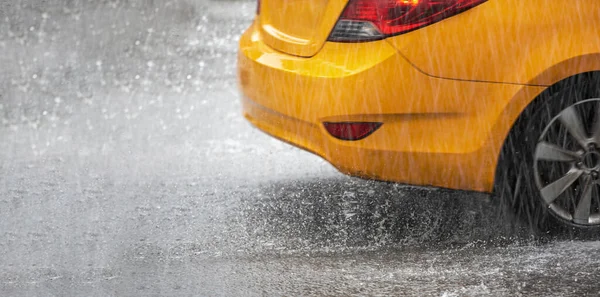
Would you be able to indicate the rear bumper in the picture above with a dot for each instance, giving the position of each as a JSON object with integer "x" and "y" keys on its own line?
{"x": 436, "y": 132}
{"x": 412, "y": 167}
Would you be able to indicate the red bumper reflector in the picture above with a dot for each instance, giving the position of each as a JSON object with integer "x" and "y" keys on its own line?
{"x": 351, "y": 130}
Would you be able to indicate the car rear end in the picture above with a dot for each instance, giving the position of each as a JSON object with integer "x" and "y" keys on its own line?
{"x": 321, "y": 75}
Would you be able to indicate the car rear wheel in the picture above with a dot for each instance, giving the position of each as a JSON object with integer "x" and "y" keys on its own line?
{"x": 549, "y": 169}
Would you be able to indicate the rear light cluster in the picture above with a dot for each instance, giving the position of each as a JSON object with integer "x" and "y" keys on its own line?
{"x": 351, "y": 130}
{"x": 366, "y": 20}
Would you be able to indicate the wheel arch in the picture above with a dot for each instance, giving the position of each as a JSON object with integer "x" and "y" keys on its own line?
{"x": 517, "y": 124}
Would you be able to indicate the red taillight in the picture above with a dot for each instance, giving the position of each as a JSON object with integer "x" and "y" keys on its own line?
{"x": 351, "y": 130}
{"x": 365, "y": 20}
{"x": 258, "y": 7}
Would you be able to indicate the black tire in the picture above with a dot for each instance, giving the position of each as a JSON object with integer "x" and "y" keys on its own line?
{"x": 516, "y": 187}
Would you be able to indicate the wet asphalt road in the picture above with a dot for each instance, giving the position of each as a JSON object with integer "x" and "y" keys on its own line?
{"x": 126, "y": 169}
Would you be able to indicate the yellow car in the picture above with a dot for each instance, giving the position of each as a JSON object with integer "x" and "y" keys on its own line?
{"x": 498, "y": 96}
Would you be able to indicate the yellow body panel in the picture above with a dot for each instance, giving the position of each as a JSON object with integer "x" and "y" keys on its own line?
{"x": 513, "y": 41}
{"x": 298, "y": 27}
{"x": 436, "y": 131}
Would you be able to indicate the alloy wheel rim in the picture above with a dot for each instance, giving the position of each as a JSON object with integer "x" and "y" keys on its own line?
{"x": 567, "y": 164}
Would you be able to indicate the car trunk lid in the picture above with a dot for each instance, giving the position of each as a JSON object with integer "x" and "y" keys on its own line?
{"x": 298, "y": 27}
